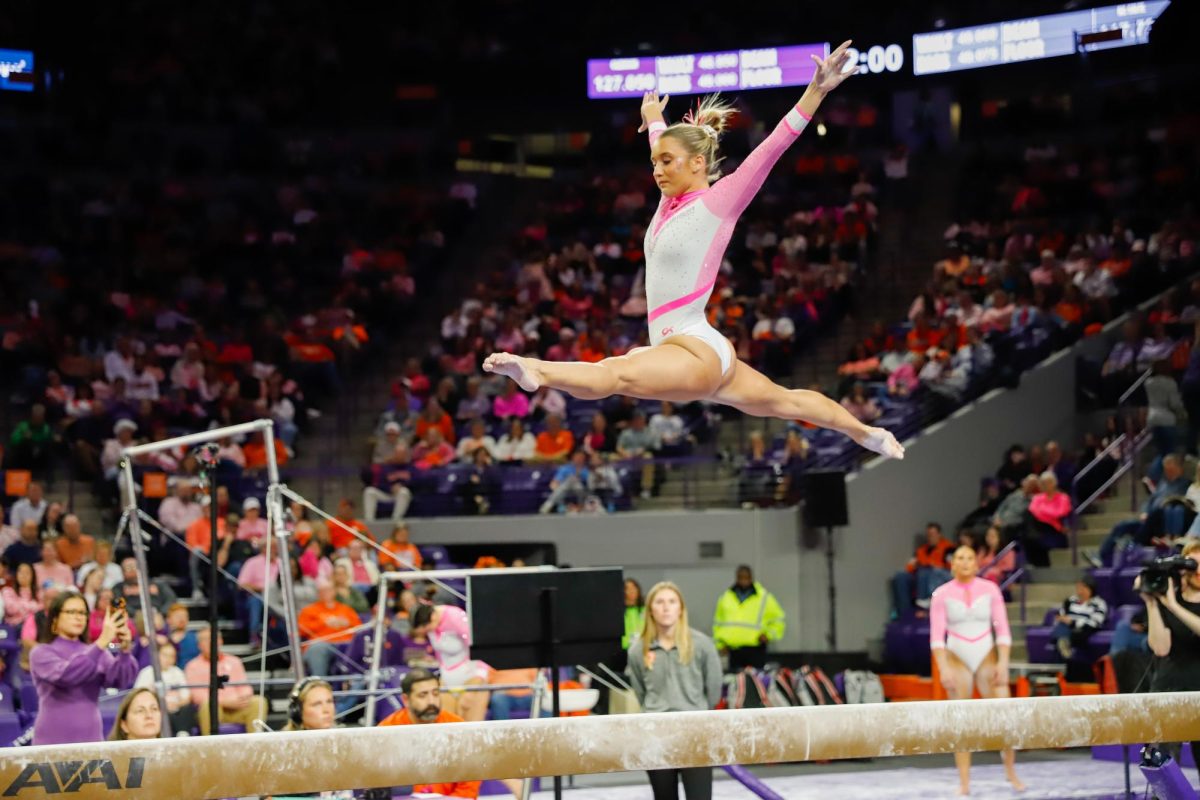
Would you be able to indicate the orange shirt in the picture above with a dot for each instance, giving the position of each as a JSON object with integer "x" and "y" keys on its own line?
{"x": 330, "y": 624}
{"x": 77, "y": 554}
{"x": 256, "y": 454}
{"x": 936, "y": 556}
{"x": 555, "y": 446}
{"x": 444, "y": 424}
{"x": 339, "y": 537}
{"x": 460, "y": 789}
{"x": 199, "y": 533}
{"x": 408, "y": 551}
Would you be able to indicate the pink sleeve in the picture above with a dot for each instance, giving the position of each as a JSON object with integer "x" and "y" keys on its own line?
{"x": 655, "y": 130}
{"x": 937, "y": 621}
{"x": 454, "y": 620}
{"x": 1064, "y": 505}
{"x": 729, "y": 196}
{"x": 999, "y": 616}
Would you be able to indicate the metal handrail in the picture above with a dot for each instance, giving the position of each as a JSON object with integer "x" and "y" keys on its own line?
{"x": 1134, "y": 387}
{"x": 1114, "y": 444}
{"x": 1124, "y": 465}
{"x": 1017, "y": 574}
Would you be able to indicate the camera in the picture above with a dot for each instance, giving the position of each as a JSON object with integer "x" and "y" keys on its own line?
{"x": 1154, "y": 575}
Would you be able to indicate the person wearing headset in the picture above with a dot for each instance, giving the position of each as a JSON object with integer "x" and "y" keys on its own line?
{"x": 310, "y": 708}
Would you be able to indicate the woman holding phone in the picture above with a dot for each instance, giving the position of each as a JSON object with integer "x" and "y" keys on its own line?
{"x": 69, "y": 672}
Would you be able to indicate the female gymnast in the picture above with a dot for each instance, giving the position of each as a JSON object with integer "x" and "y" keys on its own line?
{"x": 687, "y": 359}
{"x": 970, "y": 639}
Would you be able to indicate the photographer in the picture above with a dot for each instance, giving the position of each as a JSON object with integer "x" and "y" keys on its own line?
{"x": 1174, "y": 628}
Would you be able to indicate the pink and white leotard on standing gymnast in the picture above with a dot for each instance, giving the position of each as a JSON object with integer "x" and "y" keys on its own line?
{"x": 963, "y": 617}
{"x": 688, "y": 236}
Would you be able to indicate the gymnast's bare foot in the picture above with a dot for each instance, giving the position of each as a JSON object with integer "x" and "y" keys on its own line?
{"x": 1016, "y": 782}
{"x": 522, "y": 370}
{"x": 964, "y": 790}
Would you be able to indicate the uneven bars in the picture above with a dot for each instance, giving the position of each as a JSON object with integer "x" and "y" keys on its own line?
{"x": 197, "y": 438}
{"x": 280, "y": 763}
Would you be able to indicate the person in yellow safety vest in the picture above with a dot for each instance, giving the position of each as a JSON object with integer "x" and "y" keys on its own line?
{"x": 635, "y": 612}
{"x": 747, "y": 617}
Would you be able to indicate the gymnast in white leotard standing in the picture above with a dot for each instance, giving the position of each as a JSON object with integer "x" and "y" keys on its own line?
{"x": 687, "y": 359}
{"x": 970, "y": 640}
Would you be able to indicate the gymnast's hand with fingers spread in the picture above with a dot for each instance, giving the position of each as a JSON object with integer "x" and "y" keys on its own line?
{"x": 652, "y": 109}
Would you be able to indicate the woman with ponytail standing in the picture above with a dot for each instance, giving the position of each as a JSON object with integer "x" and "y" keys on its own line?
{"x": 687, "y": 358}
{"x": 673, "y": 667}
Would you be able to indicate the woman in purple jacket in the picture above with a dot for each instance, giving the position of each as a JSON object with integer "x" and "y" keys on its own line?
{"x": 69, "y": 673}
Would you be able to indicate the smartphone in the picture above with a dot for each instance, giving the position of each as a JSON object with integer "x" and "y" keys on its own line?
{"x": 118, "y": 605}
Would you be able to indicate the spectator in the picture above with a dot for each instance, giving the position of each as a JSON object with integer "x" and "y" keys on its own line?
{"x": 434, "y": 417}
{"x": 69, "y": 673}
{"x": 311, "y": 706}
{"x": 474, "y": 403}
{"x": 401, "y": 554}
{"x": 1172, "y": 486}
{"x": 8, "y": 534}
{"x": 230, "y": 452}
{"x": 103, "y": 563}
{"x": 747, "y": 619}
{"x": 30, "y": 507}
{"x": 905, "y": 379}
{"x": 180, "y": 510}
{"x": 478, "y": 484}
{"x": 1165, "y": 408}
{"x": 235, "y": 704}
{"x": 1062, "y": 467}
{"x": 343, "y": 583}
{"x": 363, "y": 572}
{"x": 1130, "y": 634}
{"x": 673, "y": 667}
{"x": 477, "y": 439}
{"x": 993, "y": 566}
{"x": 111, "y": 454}
{"x": 255, "y": 452}
{"x": 548, "y": 401}
{"x": 1012, "y": 515}
{"x": 1014, "y": 469}
{"x": 162, "y": 596}
{"x": 667, "y": 426}
{"x": 186, "y": 646}
{"x": 395, "y": 474}
{"x": 510, "y": 403}
{"x": 27, "y": 549}
{"x": 421, "y": 692}
{"x": 505, "y": 702}
{"x": 925, "y": 571}
{"x": 30, "y": 443}
{"x": 74, "y": 547}
{"x": 1082, "y": 614}
{"x": 252, "y": 525}
{"x": 139, "y": 716}
{"x": 390, "y": 449}
{"x": 323, "y": 625}
{"x": 254, "y": 576}
{"x": 637, "y": 441}
{"x": 555, "y": 443}
{"x": 179, "y": 699}
{"x": 568, "y": 487}
{"x": 51, "y": 525}
{"x": 1050, "y": 510}
{"x": 599, "y": 437}
{"x": 518, "y": 444}
{"x": 21, "y": 597}
{"x": 433, "y": 451}
{"x": 199, "y": 542}
{"x": 863, "y": 408}
{"x": 340, "y": 535}
{"x": 51, "y": 569}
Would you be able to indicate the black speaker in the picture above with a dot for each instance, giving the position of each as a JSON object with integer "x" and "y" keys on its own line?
{"x": 825, "y": 499}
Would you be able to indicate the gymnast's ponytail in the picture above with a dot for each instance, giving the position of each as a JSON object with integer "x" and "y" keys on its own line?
{"x": 701, "y": 128}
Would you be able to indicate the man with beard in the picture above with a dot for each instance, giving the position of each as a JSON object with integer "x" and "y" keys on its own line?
{"x": 421, "y": 691}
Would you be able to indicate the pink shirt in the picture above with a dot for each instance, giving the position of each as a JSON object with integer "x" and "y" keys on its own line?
{"x": 197, "y": 672}
{"x": 18, "y": 606}
{"x": 515, "y": 406}
{"x": 904, "y": 377}
{"x": 60, "y": 573}
{"x": 252, "y": 529}
{"x": 994, "y": 569}
{"x": 1050, "y": 510}
{"x": 254, "y": 571}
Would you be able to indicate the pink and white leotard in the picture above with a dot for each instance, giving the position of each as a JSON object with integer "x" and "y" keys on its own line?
{"x": 963, "y": 617}
{"x": 451, "y": 642}
{"x": 688, "y": 236}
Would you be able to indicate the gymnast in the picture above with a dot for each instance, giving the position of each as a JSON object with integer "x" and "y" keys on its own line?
{"x": 970, "y": 640}
{"x": 687, "y": 359}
